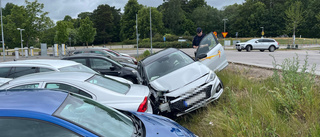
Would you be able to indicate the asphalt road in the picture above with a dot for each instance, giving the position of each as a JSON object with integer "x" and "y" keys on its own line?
{"x": 254, "y": 58}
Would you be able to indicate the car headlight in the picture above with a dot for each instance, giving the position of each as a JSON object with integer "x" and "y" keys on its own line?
{"x": 211, "y": 76}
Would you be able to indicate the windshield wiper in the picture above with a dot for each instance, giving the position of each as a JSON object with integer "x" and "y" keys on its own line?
{"x": 138, "y": 126}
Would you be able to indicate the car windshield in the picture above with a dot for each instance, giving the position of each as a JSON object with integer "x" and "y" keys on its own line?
{"x": 109, "y": 83}
{"x": 78, "y": 67}
{"x": 95, "y": 117}
{"x": 167, "y": 64}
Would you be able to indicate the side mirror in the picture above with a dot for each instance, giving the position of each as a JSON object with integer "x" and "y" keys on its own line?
{"x": 112, "y": 68}
{"x": 203, "y": 55}
{"x": 256, "y": 41}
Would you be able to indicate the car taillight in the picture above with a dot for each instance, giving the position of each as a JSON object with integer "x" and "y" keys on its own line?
{"x": 278, "y": 42}
{"x": 144, "y": 105}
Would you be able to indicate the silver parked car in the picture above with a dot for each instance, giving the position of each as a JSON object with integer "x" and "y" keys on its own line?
{"x": 178, "y": 83}
{"x": 105, "y": 52}
{"x": 105, "y": 90}
{"x": 258, "y": 44}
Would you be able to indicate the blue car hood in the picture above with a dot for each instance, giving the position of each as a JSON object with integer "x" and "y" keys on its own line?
{"x": 161, "y": 126}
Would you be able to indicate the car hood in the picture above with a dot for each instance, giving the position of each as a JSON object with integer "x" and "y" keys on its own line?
{"x": 180, "y": 78}
{"x": 4, "y": 80}
{"x": 161, "y": 126}
{"x": 242, "y": 43}
{"x": 130, "y": 65}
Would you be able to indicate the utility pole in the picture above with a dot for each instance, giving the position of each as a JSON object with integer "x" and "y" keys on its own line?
{"x": 137, "y": 35}
{"x": 224, "y": 30}
{"x": 150, "y": 31}
{"x": 4, "y": 58}
{"x": 21, "y": 40}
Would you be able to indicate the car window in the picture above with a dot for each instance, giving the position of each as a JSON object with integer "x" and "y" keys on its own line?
{"x": 80, "y": 60}
{"x": 261, "y": 40}
{"x": 79, "y": 67}
{"x": 100, "y": 63}
{"x": 206, "y": 44}
{"x": 67, "y": 87}
{"x": 77, "y": 52}
{"x": 23, "y": 127}
{"x": 167, "y": 64}
{"x": 20, "y": 71}
{"x": 110, "y": 84}
{"x": 45, "y": 70}
{"x": 95, "y": 117}
{"x": 4, "y": 71}
{"x": 29, "y": 86}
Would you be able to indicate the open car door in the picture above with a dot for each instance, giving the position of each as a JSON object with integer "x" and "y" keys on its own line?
{"x": 210, "y": 52}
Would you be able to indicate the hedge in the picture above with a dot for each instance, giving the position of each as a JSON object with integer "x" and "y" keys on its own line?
{"x": 175, "y": 44}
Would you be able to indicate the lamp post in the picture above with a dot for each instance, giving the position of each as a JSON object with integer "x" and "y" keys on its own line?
{"x": 4, "y": 58}
{"x": 21, "y": 40}
{"x": 262, "y": 32}
{"x": 224, "y": 30}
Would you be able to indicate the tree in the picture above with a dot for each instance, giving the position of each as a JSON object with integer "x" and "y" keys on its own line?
{"x": 67, "y": 18}
{"x": 173, "y": 16}
{"x": 128, "y": 20}
{"x": 208, "y": 18}
{"x": 103, "y": 20}
{"x": 61, "y": 33}
{"x": 84, "y": 15}
{"x": 144, "y": 22}
{"x": 86, "y": 31}
{"x": 294, "y": 17}
{"x": 35, "y": 21}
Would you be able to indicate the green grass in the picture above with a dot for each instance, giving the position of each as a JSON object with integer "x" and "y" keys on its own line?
{"x": 285, "y": 104}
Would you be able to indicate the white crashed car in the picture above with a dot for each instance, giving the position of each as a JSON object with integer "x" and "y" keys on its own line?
{"x": 107, "y": 91}
{"x": 178, "y": 83}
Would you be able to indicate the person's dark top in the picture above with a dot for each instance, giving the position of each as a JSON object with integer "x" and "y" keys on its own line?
{"x": 197, "y": 39}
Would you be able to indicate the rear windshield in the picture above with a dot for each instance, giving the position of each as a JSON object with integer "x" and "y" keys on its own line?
{"x": 78, "y": 68}
{"x": 109, "y": 83}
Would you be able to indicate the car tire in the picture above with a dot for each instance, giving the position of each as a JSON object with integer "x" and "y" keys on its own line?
{"x": 239, "y": 50}
{"x": 262, "y": 50}
{"x": 248, "y": 48}
{"x": 271, "y": 49}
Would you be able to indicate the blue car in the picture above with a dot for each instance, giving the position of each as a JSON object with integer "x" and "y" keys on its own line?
{"x": 48, "y": 113}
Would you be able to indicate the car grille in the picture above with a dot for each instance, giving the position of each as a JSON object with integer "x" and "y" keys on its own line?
{"x": 181, "y": 105}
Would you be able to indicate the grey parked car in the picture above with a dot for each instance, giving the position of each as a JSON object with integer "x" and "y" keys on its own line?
{"x": 104, "y": 52}
{"x": 258, "y": 44}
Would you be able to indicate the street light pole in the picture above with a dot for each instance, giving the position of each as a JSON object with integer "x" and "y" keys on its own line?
{"x": 150, "y": 31}
{"x": 21, "y": 40}
{"x": 4, "y": 58}
{"x": 224, "y": 30}
{"x": 262, "y": 32}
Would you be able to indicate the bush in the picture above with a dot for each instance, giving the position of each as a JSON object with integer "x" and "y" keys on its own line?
{"x": 293, "y": 86}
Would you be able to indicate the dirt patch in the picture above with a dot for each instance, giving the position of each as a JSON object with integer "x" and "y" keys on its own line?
{"x": 250, "y": 71}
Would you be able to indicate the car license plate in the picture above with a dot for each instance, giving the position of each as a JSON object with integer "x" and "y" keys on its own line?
{"x": 194, "y": 99}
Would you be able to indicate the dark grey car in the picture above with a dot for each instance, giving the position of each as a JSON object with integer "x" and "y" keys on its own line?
{"x": 104, "y": 52}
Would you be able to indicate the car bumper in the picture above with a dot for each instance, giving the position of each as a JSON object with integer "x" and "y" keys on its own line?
{"x": 240, "y": 47}
{"x": 212, "y": 91}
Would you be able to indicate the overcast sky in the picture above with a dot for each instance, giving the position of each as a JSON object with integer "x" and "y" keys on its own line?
{"x": 58, "y": 9}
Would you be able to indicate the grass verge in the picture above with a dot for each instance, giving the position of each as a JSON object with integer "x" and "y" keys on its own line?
{"x": 284, "y": 104}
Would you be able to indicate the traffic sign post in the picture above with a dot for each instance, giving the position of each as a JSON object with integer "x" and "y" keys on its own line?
{"x": 224, "y": 34}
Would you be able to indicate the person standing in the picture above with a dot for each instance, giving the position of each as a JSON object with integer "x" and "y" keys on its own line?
{"x": 196, "y": 39}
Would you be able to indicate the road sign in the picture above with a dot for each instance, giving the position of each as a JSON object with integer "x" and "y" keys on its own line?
{"x": 164, "y": 38}
{"x": 262, "y": 33}
{"x": 215, "y": 33}
{"x": 224, "y": 34}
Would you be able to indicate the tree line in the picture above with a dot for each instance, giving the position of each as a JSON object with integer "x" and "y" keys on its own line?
{"x": 279, "y": 18}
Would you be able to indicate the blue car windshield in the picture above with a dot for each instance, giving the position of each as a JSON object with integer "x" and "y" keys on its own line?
{"x": 95, "y": 117}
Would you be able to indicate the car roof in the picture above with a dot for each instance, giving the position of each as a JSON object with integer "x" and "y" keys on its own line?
{"x": 91, "y": 55}
{"x": 56, "y": 75}
{"x": 38, "y": 100}
{"x": 41, "y": 62}
{"x": 97, "y": 48}
{"x": 158, "y": 55}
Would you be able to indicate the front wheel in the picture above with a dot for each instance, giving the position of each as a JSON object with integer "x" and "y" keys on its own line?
{"x": 249, "y": 48}
{"x": 262, "y": 50}
{"x": 239, "y": 50}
